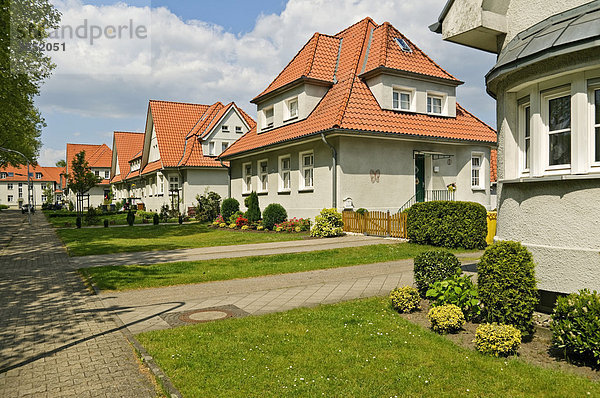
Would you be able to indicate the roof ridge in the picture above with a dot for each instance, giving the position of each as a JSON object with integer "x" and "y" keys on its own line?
{"x": 312, "y": 59}
{"x": 478, "y": 119}
{"x": 178, "y": 102}
{"x": 368, "y": 19}
{"x": 386, "y": 43}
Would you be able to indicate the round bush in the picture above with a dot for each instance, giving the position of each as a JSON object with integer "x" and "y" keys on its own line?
{"x": 497, "y": 340}
{"x": 228, "y": 207}
{"x": 328, "y": 223}
{"x": 446, "y": 318}
{"x": 576, "y": 326}
{"x": 253, "y": 212}
{"x": 155, "y": 219}
{"x": 405, "y": 299}
{"x": 433, "y": 266}
{"x": 507, "y": 286}
{"x": 273, "y": 214}
{"x": 105, "y": 223}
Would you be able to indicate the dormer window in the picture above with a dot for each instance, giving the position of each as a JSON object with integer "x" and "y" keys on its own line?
{"x": 434, "y": 104}
{"x": 269, "y": 116}
{"x": 292, "y": 108}
{"x": 225, "y": 129}
{"x": 2, "y": 175}
{"x": 401, "y": 100}
{"x": 38, "y": 176}
{"x": 238, "y": 129}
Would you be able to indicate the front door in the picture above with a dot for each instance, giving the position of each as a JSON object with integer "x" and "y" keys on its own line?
{"x": 420, "y": 177}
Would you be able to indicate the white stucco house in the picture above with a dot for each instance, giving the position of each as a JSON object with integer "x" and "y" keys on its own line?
{"x": 365, "y": 119}
{"x": 175, "y": 158}
{"x": 13, "y": 185}
{"x": 98, "y": 158}
{"x": 547, "y": 85}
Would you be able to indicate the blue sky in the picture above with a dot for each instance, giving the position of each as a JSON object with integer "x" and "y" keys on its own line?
{"x": 207, "y": 51}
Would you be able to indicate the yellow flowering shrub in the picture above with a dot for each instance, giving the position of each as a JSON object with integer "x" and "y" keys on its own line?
{"x": 447, "y": 318}
{"x": 232, "y": 225}
{"x": 245, "y": 227}
{"x": 222, "y": 225}
{"x": 260, "y": 228}
{"x": 405, "y": 299}
{"x": 497, "y": 340}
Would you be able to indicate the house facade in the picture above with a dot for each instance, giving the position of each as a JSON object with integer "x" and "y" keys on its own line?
{"x": 98, "y": 158}
{"x": 365, "y": 119}
{"x": 547, "y": 85}
{"x": 175, "y": 159}
{"x": 13, "y": 185}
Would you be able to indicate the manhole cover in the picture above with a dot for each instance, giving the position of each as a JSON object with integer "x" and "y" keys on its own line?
{"x": 204, "y": 316}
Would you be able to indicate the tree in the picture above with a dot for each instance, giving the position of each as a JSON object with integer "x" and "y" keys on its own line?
{"x": 23, "y": 68}
{"x": 49, "y": 194}
{"x": 81, "y": 178}
{"x": 253, "y": 212}
{"x": 61, "y": 163}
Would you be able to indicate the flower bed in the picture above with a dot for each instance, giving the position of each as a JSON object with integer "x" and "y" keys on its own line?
{"x": 241, "y": 223}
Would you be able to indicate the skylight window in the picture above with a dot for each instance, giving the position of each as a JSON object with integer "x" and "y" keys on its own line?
{"x": 403, "y": 45}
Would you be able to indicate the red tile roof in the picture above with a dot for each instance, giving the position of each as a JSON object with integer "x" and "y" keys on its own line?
{"x": 19, "y": 174}
{"x": 125, "y": 145}
{"x": 96, "y": 155}
{"x": 350, "y": 105}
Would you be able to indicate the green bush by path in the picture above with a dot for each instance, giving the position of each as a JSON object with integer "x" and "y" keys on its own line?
{"x": 507, "y": 286}
{"x": 433, "y": 266}
{"x": 353, "y": 349}
{"x": 253, "y": 212}
{"x": 497, "y": 340}
{"x": 457, "y": 290}
{"x": 448, "y": 224}
{"x": 405, "y": 299}
{"x": 447, "y": 318}
{"x": 273, "y": 214}
{"x": 327, "y": 224}
{"x": 228, "y": 207}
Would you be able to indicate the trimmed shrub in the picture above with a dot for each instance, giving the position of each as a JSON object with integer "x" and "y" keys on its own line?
{"x": 78, "y": 222}
{"x": 405, "y": 299}
{"x": 208, "y": 206}
{"x": 507, "y": 286}
{"x": 91, "y": 217}
{"x": 446, "y": 318}
{"x": 576, "y": 326}
{"x": 155, "y": 219}
{"x": 228, "y": 207}
{"x": 448, "y": 224}
{"x": 180, "y": 220}
{"x": 497, "y": 340}
{"x": 105, "y": 223}
{"x": 130, "y": 218}
{"x": 327, "y": 223}
{"x": 253, "y": 212}
{"x": 274, "y": 214}
{"x": 457, "y": 290}
{"x": 433, "y": 266}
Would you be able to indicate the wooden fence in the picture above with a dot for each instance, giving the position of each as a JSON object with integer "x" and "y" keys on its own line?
{"x": 376, "y": 223}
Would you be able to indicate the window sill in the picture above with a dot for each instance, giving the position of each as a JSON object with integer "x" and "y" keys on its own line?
{"x": 262, "y": 193}
{"x": 477, "y": 189}
{"x": 307, "y": 189}
{"x": 284, "y": 191}
{"x": 560, "y": 177}
{"x": 291, "y": 119}
{"x": 246, "y": 193}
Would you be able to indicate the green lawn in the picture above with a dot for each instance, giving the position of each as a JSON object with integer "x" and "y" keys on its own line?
{"x": 69, "y": 222}
{"x": 83, "y": 242}
{"x": 353, "y": 349}
{"x": 143, "y": 276}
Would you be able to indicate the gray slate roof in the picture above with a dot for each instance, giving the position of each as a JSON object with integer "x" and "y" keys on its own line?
{"x": 579, "y": 27}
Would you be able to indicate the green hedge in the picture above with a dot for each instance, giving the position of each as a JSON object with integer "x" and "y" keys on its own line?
{"x": 448, "y": 224}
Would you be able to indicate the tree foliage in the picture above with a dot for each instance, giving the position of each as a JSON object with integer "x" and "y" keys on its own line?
{"x": 61, "y": 163}
{"x": 81, "y": 177}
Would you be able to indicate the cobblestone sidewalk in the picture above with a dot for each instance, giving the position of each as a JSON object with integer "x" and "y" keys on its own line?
{"x": 56, "y": 339}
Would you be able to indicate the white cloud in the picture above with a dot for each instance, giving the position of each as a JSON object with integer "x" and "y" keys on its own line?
{"x": 49, "y": 156}
{"x": 201, "y": 62}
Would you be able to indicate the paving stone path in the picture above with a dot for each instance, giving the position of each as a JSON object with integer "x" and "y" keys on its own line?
{"x": 56, "y": 339}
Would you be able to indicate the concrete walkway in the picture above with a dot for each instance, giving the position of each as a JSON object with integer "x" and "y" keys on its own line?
{"x": 209, "y": 253}
{"x": 56, "y": 339}
{"x": 162, "y": 308}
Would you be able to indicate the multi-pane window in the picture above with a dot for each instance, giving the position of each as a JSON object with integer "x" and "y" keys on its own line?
{"x": 293, "y": 108}
{"x": 106, "y": 174}
{"x": 2, "y": 175}
{"x": 225, "y": 128}
{"x": 269, "y": 115}
{"x": 43, "y": 186}
{"x": 173, "y": 183}
{"x": 38, "y": 176}
{"x": 597, "y": 125}
{"x": 43, "y": 198}
{"x": 559, "y": 131}
{"x": 247, "y": 177}
{"x": 306, "y": 167}
{"x": 211, "y": 148}
{"x": 284, "y": 174}
{"x": 97, "y": 173}
{"x": 9, "y": 186}
{"x": 9, "y": 198}
{"x": 434, "y": 105}
{"x": 161, "y": 184}
{"x": 263, "y": 175}
{"x": 224, "y": 146}
{"x": 238, "y": 129}
{"x": 527, "y": 137}
{"x": 401, "y": 100}
{"x": 476, "y": 180}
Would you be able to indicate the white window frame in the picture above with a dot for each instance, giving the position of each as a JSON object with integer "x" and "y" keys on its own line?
{"x": 106, "y": 174}
{"x": 97, "y": 173}
{"x": 288, "y": 112}
{"x": 246, "y": 178}
{"x": 3, "y": 175}
{"x": 211, "y": 148}
{"x": 174, "y": 182}
{"x": 9, "y": 186}
{"x": 43, "y": 198}
{"x": 592, "y": 100}
{"x": 266, "y": 119}
{"x": 238, "y": 129}
{"x": 303, "y": 168}
{"x": 480, "y": 169}
{"x": 161, "y": 188}
{"x": 43, "y": 186}
{"x": 441, "y": 97}
{"x": 225, "y": 128}
{"x": 38, "y": 176}
{"x": 9, "y": 198}
{"x": 282, "y": 173}
{"x": 224, "y": 146}
{"x": 545, "y": 105}
{"x": 411, "y": 98}
{"x": 262, "y": 176}
{"x": 523, "y": 169}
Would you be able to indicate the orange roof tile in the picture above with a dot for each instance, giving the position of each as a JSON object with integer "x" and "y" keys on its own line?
{"x": 152, "y": 166}
{"x": 96, "y": 155}
{"x": 350, "y": 105}
{"x": 125, "y": 145}
{"x": 19, "y": 174}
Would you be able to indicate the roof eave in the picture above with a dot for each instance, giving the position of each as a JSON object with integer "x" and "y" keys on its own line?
{"x": 412, "y": 75}
{"x": 290, "y": 85}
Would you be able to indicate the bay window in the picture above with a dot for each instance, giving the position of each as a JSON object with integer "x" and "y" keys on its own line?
{"x": 559, "y": 130}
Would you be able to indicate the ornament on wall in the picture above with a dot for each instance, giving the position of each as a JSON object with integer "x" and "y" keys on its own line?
{"x": 375, "y": 176}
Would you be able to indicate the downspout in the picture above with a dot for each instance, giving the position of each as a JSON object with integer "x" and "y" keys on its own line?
{"x": 333, "y": 172}
{"x": 228, "y": 178}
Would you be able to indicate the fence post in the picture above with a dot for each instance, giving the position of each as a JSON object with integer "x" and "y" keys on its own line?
{"x": 389, "y": 224}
